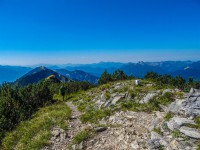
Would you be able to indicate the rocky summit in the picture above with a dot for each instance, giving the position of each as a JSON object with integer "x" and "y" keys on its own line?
{"x": 119, "y": 115}
{"x": 132, "y": 121}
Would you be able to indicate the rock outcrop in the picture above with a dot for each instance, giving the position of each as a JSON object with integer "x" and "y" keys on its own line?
{"x": 129, "y": 130}
{"x": 189, "y": 107}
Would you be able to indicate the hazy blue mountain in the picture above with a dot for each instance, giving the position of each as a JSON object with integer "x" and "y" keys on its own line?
{"x": 92, "y": 71}
{"x": 187, "y": 73}
{"x": 140, "y": 69}
{"x": 78, "y": 75}
{"x": 170, "y": 66}
{"x": 195, "y": 65}
{"x": 192, "y": 70}
{"x": 11, "y": 73}
{"x": 166, "y": 67}
{"x": 137, "y": 69}
{"x": 37, "y": 75}
{"x": 96, "y": 69}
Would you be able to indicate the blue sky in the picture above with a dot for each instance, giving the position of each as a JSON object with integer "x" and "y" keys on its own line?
{"x": 87, "y": 31}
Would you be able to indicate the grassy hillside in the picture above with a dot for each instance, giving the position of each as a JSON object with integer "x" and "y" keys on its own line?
{"x": 36, "y": 132}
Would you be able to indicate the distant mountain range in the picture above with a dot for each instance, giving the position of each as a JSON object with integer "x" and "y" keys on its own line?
{"x": 167, "y": 67}
{"x": 96, "y": 69}
{"x": 185, "y": 69}
{"x": 91, "y": 72}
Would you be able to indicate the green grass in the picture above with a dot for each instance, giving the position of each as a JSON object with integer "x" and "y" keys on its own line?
{"x": 105, "y": 86}
{"x": 179, "y": 95}
{"x": 168, "y": 116}
{"x": 198, "y": 147}
{"x": 157, "y": 130}
{"x": 197, "y": 125}
{"x": 107, "y": 95}
{"x": 92, "y": 115}
{"x": 197, "y": 121}
{"x": 132, "y": 94}
{"x": 176, "y": 134}
{"x": 82, "y": 136}
{"x": 36, "y": 132}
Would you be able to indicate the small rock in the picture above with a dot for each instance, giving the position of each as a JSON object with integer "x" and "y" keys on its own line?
{"x": 147, "y": 98}
{"x": 57, "y": 140}
{"x": 174, "y": 145}
{"x": 81, "y": 145}
{"x": 100, "y": 129}
{"x": 56, "y": 133}
{"x": 177, "y": 122}
{"x": 73, "y": 117}
{"x": 74, "y": 147}
{"x": 167, "y": 91}
{"x": 116, "y": 99}
{"x": 156, "y": 136}
{"x": 135, "y": 145}
{"x": 190, "y": 132}
{"x": 154, "y": 144}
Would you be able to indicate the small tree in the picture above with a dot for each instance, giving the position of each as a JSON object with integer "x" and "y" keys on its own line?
{"x": 180, "y": 82}
{"x": 151, "y": 75}
{"x": 62, "y": 92}
{"x": 105, "y": 78}
{"x": 190, "y": 83}
{"x": 119, "y": 75}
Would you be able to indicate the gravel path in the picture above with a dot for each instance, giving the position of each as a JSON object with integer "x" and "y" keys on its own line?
{"x": 61, "y": 139}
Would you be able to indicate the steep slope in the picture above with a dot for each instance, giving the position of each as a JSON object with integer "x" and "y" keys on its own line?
{"x": 11, "y": 73}
{"x": 78, "y": 75}
{"x": 96, "y": 69}
{"x": 37, "y": 75}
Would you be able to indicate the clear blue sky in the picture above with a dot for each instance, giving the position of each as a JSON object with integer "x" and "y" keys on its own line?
{"x": 86, "y": 31}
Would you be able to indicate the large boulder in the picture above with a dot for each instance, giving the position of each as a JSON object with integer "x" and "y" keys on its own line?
{"x": 177, "y": 122}
{"x": 190, "y": 132}
{"x": 148, "y": 97}
{"x": 192, "y": 104}
{"x": 189, "y": 107}
{"x": 167, "y": 91}
{"x": 176, "y": 107}
{"x": 116, "y": 99}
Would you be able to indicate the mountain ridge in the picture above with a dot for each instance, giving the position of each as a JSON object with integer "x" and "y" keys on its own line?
{"x": 78, "y": 75}
{"x": 37, "y": 75}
